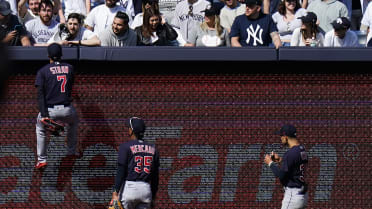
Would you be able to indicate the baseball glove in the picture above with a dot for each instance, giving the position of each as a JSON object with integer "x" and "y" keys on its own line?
{"x": 116, "y": 205}
{"x": 52, "y": 126}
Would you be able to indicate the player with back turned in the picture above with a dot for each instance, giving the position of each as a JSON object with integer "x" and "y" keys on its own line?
{"x": 54, "y": 85}
{"x": 137, "y": 178}
{"x": 292, "y": 169}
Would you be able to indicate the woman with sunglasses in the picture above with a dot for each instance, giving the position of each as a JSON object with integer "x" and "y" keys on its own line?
{"x": 286, "y": 19}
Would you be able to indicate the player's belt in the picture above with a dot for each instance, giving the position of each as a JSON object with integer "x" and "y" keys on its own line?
{"x": 58, "y": 105}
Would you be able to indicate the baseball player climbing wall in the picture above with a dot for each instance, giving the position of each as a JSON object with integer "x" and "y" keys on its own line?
{"x": 212, "y": 132}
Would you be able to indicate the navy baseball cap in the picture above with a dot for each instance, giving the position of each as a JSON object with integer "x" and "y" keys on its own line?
{"x": 55, "y": 50}
{"x": 341, "y": 23}
{"x": 144, "y": 2}
{"x": 310, "y": 17}
{"x": 136, "y": 124}
{"x": 253, "y": 2}
{"x": 212, "y": 11}
{"x": 5, "y": 8}
{"x": 287, "y": 130}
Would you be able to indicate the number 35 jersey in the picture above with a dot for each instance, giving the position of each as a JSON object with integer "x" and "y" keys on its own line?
{"x": 141, "y": 160}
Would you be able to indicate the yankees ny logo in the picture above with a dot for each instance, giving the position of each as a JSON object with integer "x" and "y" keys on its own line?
{"x": 252, "y": 32}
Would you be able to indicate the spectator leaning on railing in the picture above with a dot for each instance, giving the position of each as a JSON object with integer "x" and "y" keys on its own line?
{"x": 72, "y": 31}
{"x": 118, "y": 35}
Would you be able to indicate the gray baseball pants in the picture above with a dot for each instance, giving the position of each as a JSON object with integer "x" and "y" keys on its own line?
{"x": 66, "y": 114}
{"x": 293, "y": 200}
{"x": 136, "y": 195}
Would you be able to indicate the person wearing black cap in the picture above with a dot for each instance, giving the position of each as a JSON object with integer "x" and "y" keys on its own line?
{"x": 291, "y": 172}
{"x": 12, "y": 33}
{"x": 309, "y": 33}
{"x": 137, "y": 178}
{"x": 54, "y": 84}
{"x": 341, "y": 36}
{"x": 254, "y": 28}
{"x": 209, "y": 33}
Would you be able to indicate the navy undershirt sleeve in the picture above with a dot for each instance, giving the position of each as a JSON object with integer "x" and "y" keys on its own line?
{"x": 41, "y": 102}
{"x": 120, "y": 177}
{"x": 155, "y": 173}
{"x": 277, "y": 172}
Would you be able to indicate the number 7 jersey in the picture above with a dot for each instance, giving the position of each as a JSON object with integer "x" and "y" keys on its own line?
{"x": 56, "y": 80}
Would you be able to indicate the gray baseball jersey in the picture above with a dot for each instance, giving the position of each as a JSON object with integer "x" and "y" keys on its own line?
{"x": 187, "y": 16}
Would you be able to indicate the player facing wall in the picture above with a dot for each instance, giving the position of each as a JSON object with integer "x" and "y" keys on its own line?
{"x": 212, "y": 132}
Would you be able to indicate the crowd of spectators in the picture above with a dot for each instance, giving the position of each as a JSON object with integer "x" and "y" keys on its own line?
{"x": 189, "y": 23}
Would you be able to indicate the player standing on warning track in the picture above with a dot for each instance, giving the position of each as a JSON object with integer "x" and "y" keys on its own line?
{"x": 292, "y": 169}
{"x": 137, "y": 177}
{"x": 54, "y": 85}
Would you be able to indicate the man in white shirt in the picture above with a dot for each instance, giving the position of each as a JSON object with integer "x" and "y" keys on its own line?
{"x": 341, "y": 36}
{"x": 76, "y": 6}
{"x": 103, "y": 15}
{"x": 43, "y": 28}
{"x": 73, "y": 31}
{"x": 228, "y": 13}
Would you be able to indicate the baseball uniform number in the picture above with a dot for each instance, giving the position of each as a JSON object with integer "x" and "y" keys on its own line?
{"x": 143, "y": 163}
{"x": 64, "y": 81}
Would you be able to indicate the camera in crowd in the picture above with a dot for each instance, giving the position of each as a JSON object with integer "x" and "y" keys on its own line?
{"x": 64, "y": 33}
